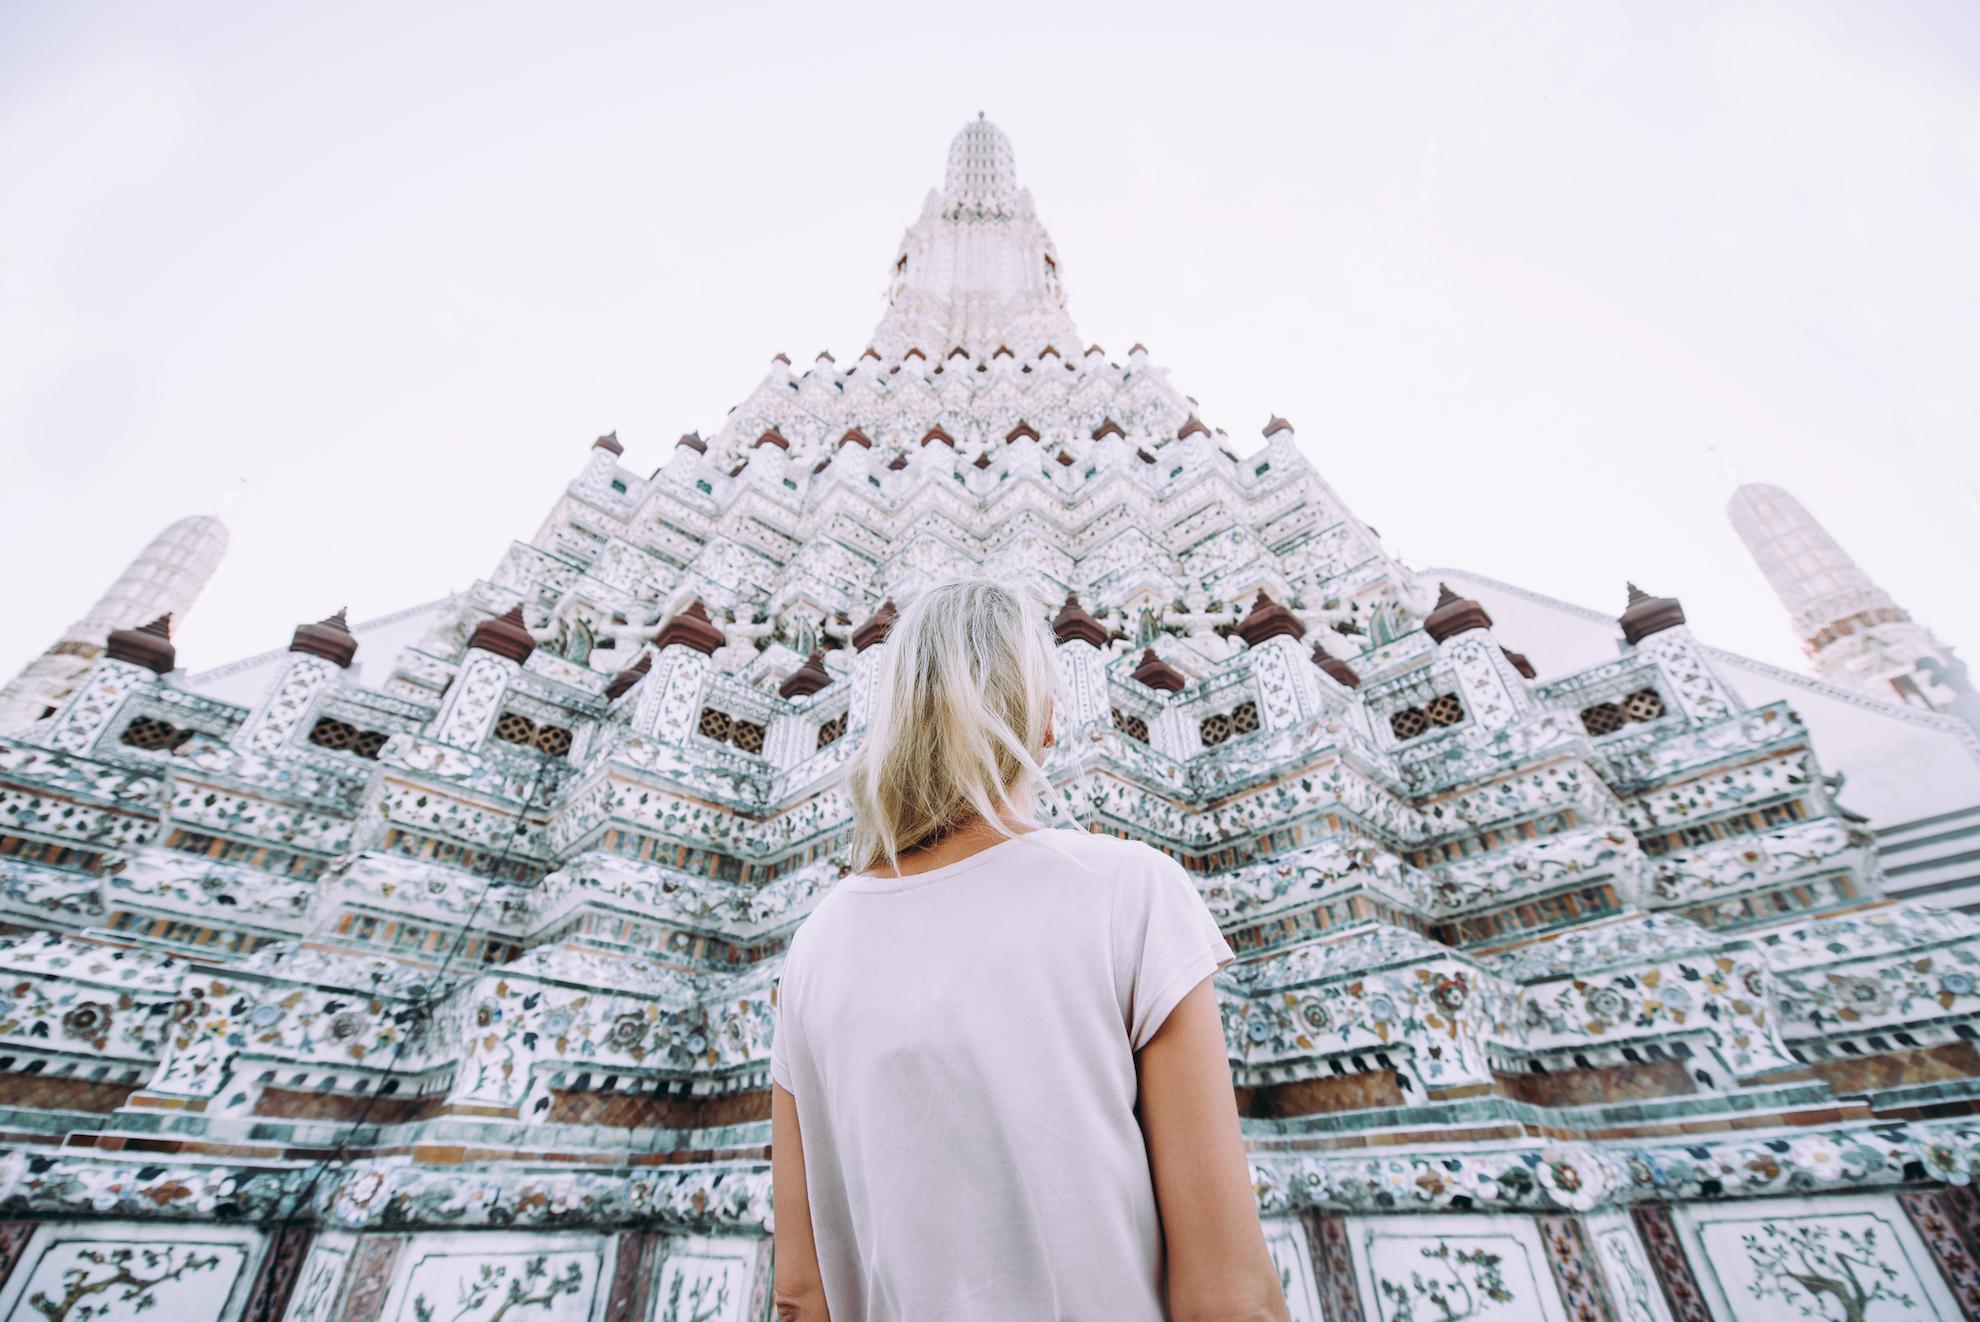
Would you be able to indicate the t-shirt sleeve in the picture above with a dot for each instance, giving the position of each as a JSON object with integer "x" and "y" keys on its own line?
{"x": 782, "y": 1026}
{"x": 780, "y": 1060}
{"x": 1165, "y": 943}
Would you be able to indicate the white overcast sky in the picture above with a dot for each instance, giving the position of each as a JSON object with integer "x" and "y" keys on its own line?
{"x": 1531, "y": 280}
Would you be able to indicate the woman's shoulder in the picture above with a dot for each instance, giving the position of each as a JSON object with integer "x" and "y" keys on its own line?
{"x": 1109, "y": 854}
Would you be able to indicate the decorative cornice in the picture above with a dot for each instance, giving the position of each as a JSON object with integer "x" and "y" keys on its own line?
{"x": 505, "y": 635}
{"x": 1073, "y": 622}
{"x": 148, "y": 645}
{"x": 1269, "y": 619}
{"x": 1341, "y": 671}
{"x": 628, "y": 677}
{"x": 1157, "y": 673}
{"x": 692, "y": 629}
{"x": 329, "y": 638}
{"x": 807, "y": 679}
{"x": 1645, "y": 615}
{"x": 1454, "y": 615}
{"x": 876, "y": 627}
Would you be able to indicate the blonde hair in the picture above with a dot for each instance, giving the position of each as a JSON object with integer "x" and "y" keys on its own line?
{"x": 959, "y": 720}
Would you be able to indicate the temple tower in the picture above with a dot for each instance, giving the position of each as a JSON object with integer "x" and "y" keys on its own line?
{"x": 1853, "y": 632}
{"x": 977, "y": 270}
{"x": 165, "y": 578}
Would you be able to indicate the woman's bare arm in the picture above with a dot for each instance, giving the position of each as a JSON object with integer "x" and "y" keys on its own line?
{"x": 798, "y": 1288}
{"x": 1219, "y": 1269}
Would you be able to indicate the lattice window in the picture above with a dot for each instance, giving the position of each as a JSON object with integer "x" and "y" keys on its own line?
{"x": 1445, "y": 709}
{"x": 1603, "y": 718}
{"x": 832, "y": 731}
{"x": 153, "y": 735}
{"x": 1215, "y": 730}
{"x": 1408, "y": 723}
{"x": 1608, "y": 717}
{"x": 1643, "y": 705}
{"x": 715, "y": 724}
{"x": 513, "y": 728}
{"x": 1244, "y": 718}
{"x": 343, "y": 737}
{"x": 553, "y": 739}
{"x": 1131, "y": 726}
{"x": 333, "y": 734}
{"x": 747, "y": 735}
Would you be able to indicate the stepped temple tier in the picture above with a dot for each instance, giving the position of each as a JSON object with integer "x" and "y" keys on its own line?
{"x": 423, "y": 968}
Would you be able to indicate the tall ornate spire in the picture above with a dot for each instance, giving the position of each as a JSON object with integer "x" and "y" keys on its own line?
{"x": 1852, "y": 631}
{"x": 163, "y": 579}
{"x": 982, "y": 179}
{"x": 977, "y": 271}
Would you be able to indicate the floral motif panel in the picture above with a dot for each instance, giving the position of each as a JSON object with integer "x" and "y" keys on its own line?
{"x": 1855, "y": 1258}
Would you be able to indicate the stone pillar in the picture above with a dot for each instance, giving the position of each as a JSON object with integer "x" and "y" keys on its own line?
{"x": 870, "y": 652}
{"x": 1494, "y": 694}
{"x": 132, "y": 659}
{"x": 1289, "y": 688}
{"x": 1655, "y": 627}
{"x": 495, "y": 655}
{"x": 1082, "y": 665}
{"x": 786, "y": 743}
{"x": 852, "y": 459}
{"x": 318, "y": 653}
{"x": 1082, "y": 687}
{"x": 668, "y": 697}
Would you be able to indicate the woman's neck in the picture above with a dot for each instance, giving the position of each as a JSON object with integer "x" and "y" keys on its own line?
{"x": 973, "y": 837}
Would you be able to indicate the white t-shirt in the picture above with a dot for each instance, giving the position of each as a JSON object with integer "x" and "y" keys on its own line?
{"x": 960, "y": 1044}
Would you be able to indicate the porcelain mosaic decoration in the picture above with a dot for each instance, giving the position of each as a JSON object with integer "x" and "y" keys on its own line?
{"x": 426, "y": 969}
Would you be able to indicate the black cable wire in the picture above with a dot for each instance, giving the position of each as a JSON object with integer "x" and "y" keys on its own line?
{"x": 420, "y": 1015}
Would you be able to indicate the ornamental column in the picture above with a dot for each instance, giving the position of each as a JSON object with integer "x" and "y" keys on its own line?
{"x": 1494, "y": 694}
{"x": 785, "y": 745}
{"x": 1082, "y": 669}
{"x": 1655, "y": 627}
{"x": 318, "y": 654}
{"x": 132, "y": 659}
{"x": 870, "y": 646}
{"x": 670, "y": 695}
{"x": 496, "y": 651}
{"x": 1289, "y": 689}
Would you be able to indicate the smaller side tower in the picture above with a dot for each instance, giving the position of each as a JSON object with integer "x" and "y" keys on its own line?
{"x": 165, "y": 578}
{"x": 1854, "y": 634}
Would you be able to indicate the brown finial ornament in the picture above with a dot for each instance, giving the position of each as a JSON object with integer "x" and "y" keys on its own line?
{"x": 609, "y": 441}
{"x": 1454, "y": 615}
{"x": 876, "y": 628}
{"x": 148, "y": 645}
{"x": 1341, "y": 671}
{"x": 329, "y": 638}
{"x": 807, "y": 679}
{"x": 1072, "y": 622}
{"x": 628, "y": 677}
{"x": 505, "y": 636}
{"x": 691, "y": 628}
{"x": 1520, "y": 663}
{"x": 1157, "y": 673}
{"x": 1645, "y": 615}
{"x": 1268, "y": 619}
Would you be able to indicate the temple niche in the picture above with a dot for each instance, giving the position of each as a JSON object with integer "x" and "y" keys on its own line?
{"x": 424, "y": 966}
